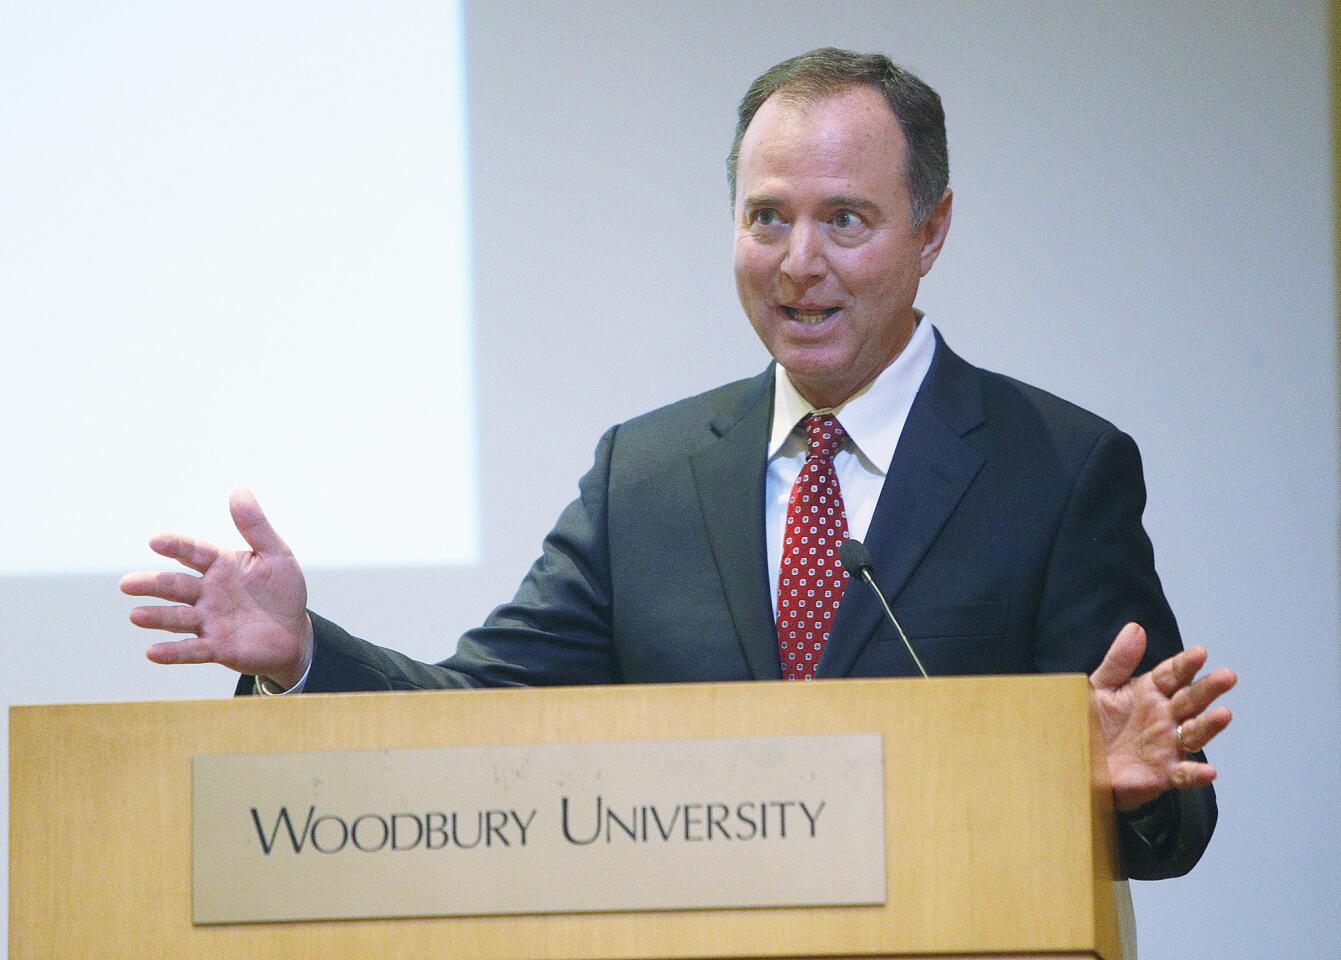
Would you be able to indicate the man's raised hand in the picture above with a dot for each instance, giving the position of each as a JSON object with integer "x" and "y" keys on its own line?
{"x": 1152, "y": 721}
{"x": 247, "y": 609}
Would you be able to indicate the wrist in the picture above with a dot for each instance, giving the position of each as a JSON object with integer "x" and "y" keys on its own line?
{"x": 282, "y": 681}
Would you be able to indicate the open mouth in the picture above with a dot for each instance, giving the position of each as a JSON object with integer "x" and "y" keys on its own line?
{"x": 810, "y": 316}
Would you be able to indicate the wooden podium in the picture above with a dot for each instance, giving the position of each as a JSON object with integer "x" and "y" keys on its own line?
{"x": 999, "y": 825}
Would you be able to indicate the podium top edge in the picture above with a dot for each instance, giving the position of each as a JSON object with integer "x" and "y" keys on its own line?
{"x": 815, "y": 688}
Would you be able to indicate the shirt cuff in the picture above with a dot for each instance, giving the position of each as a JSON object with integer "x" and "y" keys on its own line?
{"x": 266, "y": 687}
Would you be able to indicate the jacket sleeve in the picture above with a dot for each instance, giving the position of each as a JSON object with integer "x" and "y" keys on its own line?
{"x": 556, "y": 629}
{"x": 1100, "y": 576}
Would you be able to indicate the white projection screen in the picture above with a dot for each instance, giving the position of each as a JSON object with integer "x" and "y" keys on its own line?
{"x": 397, "y": 266}
{"x": 243, "y": 241}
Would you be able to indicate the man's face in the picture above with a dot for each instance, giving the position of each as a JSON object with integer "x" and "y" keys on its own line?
{"x": 827, "y": 259}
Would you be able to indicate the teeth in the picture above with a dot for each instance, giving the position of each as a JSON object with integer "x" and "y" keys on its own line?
{"x": 811, "y": 318}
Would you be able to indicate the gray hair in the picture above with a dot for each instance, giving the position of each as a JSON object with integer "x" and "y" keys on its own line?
{"x": 827, "y": 71}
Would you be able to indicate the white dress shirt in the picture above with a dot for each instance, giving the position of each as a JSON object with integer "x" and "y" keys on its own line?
{"x": 873, "y": 418}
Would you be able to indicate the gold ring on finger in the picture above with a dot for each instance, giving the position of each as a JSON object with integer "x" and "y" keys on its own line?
{"x": 1178, "y": 735}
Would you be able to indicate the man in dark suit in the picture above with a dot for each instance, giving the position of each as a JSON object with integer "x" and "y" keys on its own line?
{"x": 1005, "y": 524}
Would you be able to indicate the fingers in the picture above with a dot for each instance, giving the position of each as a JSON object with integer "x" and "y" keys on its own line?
{"x": 177, "y": 587}
{"x": 1190, "y": 773}
{"x": 255, "y": 528}
{"x": 191, "y": 650}
{"x": 1199, "y": 731}
{"x": 171, "y": 619}
{"x": 1196, "y": 697}
{"x": 188, "y": 551}
{"x": 1173, "y": 674}
{"x": 1122, "y": 658}
{"x": 199, "y": 555}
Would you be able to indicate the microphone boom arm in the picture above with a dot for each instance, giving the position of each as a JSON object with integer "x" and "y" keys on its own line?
{"x": 866, "y": 575}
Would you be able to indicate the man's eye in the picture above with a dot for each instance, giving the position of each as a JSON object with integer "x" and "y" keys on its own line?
{"x": 846, "y": 219}
{"x": 766, "y": 217}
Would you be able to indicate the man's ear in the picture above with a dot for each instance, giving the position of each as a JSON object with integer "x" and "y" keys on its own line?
{"x": 935, "y": 229}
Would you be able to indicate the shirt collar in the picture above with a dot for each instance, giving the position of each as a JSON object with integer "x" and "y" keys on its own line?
{"x": 874, "y": 416}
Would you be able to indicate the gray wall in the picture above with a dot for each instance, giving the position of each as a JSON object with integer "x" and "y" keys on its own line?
{"x": 1142, "y": 224}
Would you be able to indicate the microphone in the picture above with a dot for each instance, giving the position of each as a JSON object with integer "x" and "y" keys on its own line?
{"x": 856, "y": 559}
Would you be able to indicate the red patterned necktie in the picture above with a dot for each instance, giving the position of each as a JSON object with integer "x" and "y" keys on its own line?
{"x": 811, "y": 581}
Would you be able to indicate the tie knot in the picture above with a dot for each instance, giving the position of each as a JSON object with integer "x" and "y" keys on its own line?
{"x": 825, "y": 435}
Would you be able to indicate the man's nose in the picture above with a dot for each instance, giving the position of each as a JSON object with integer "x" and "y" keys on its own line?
{"x": 804, "y": 261}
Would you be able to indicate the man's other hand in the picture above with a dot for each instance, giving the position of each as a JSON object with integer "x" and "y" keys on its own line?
{"x": 247, "y": 609}
{"x": 1141, "y": 718}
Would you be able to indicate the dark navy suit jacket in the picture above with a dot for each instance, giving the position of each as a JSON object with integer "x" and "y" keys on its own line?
{"x": 1007, "y": 537}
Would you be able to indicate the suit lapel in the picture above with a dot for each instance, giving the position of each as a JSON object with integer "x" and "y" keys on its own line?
{"x": 729, "y": 477}
{"x": 932, "y": 467}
